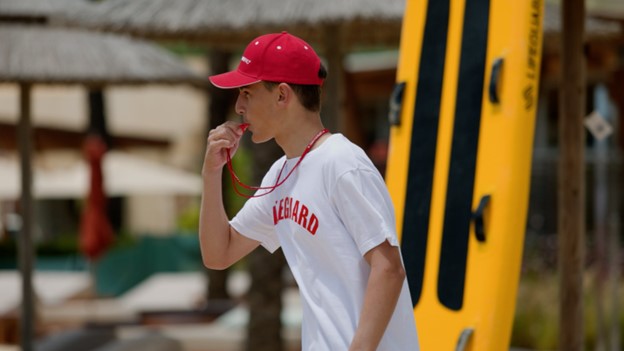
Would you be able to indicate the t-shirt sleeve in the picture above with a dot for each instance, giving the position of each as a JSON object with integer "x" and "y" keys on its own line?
{"x": 361, "y": 198}
{"x": 255, "y": 220}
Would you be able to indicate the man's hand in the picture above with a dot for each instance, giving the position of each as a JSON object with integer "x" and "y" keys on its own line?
{"x": 224, "y": 137}
{"x": 220, "y": 244}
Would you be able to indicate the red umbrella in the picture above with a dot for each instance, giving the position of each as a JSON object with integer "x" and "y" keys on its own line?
{"x": 96, "y": 233}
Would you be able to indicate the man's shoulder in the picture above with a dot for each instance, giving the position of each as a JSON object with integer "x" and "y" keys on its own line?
{"x": 341, "y": 147}
{"x": 342, "y": 155}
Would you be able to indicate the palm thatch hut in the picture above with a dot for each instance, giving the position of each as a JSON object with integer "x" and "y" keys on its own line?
{"x": 37, "y": 55}
{"x": 32, "y": 55}
{"x": 232, "y": 23}
{"x": 36, "y": 12}
{"x": 41, "y": 12}
{"x": 334, "y": 28}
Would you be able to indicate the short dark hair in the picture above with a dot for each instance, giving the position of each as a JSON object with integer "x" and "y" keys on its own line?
{"x": 309, "y": 95}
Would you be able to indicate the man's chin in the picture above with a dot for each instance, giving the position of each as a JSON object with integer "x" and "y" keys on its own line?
{"x": 258, "y": 139}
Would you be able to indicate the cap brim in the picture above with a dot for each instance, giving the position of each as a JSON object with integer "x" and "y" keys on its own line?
{"x": 230, "y": 80}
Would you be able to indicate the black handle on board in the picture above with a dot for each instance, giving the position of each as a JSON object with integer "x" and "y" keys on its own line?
{"x": 495, "y": 80}
{"x": 477, "y": 217}
{"x": 396, "y": 101}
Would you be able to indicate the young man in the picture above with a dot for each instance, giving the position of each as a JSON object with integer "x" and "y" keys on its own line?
{"x": 323, "y": 202}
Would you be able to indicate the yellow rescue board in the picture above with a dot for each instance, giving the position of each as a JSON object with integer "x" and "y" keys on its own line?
{"x": 459, "y": 163}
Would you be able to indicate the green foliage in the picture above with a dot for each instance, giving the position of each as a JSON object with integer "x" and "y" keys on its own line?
{"x": 536, "y": 324}
{"x": 61, "y": 245}
{"x": 181, "y": 48}
{"x": 188, "y": 221}
{"x": 242, "y": 164}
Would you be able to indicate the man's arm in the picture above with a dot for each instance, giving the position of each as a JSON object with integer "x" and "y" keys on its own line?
{"x": 221, "y": 245}
{"x": 382, "y": 293}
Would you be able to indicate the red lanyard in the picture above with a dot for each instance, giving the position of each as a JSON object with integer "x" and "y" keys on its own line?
{"x": 269, "y": 189}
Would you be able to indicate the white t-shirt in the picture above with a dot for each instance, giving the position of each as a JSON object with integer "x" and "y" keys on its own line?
{"x": 333, "y": 209}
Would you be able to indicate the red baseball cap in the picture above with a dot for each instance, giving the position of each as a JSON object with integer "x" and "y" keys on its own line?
{"x": 278, "y": 57}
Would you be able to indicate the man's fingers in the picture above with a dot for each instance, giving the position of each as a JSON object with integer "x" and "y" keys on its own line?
{"x": 221, "y": 139}
{"x": 220, "y": 144}
{"x": 234, "y": 127}
{"x": 228, "y": 130}
{"x": 223, "y": 134}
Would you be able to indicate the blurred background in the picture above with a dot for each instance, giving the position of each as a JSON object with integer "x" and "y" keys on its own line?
{"x": 118, "y": 109}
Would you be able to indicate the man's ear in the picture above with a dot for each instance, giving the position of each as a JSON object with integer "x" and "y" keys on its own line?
{"x": 284, "y": 93}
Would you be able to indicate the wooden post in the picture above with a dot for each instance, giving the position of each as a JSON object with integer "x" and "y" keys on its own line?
{"x": 97, "y": 116}
{"x": 571, "y": 176}
{"x": 220, "y": 104}
{"x": 333, "y": 107}
{"x": 617, "y": 96}
{"x": 27, "y": 317}
{"x": 264, "y": 331}
{"x": 615, "y": 339}
{"x": 601, "y": 209}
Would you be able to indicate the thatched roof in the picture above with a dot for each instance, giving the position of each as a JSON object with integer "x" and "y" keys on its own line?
{"x": 37, "y": 11}
{"x": 232, "y": 23}
{"x": 40, "y": 55}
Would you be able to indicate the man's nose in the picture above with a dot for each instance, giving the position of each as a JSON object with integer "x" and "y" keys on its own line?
{"x": 238, "y": 107}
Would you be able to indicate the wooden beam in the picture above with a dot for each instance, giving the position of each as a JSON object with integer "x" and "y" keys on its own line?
{"x": 46, "y": 138}
{"x": 571, "y": 176}
{"x": 26, "y": 251}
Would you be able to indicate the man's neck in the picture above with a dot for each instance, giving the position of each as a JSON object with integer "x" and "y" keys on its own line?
{"x": 296, "y": 136}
